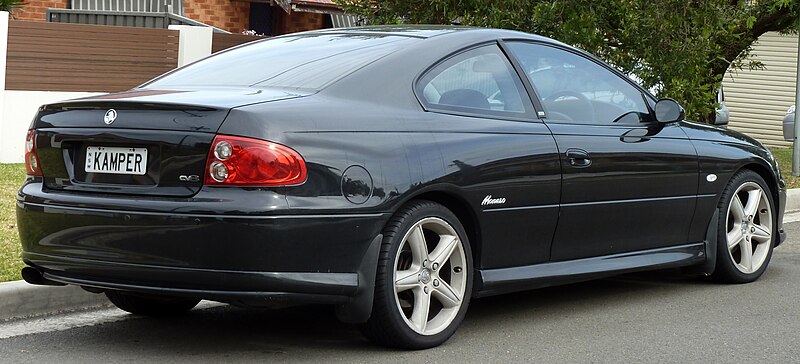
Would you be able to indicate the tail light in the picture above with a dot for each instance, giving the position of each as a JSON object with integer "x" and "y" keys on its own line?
{"x": 32, "y": 165}
{"x": 253, "y": 162}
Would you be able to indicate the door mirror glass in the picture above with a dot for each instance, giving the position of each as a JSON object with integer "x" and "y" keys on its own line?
{"x": 669, "y": 111}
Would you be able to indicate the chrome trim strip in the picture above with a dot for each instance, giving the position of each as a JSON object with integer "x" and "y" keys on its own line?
{"x": 598, "y": 203}
{"x": 633, "y": 200}
{"x": 521, "y": 208}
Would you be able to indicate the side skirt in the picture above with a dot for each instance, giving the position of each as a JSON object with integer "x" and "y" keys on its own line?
{"x": 491, "y": 282}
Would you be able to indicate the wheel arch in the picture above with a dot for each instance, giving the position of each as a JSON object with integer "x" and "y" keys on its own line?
{"x": 720, "y": 265}
{"x": 465, "y": 214}
{"x": 766, "y": 173}
{"x": 711, "y": 229}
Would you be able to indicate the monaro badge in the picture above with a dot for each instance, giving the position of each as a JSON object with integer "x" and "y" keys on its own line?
{"x": 489, "y": 200}
{"x": 110, "y": 116}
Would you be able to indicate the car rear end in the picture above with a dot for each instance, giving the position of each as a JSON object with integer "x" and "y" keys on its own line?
{"x": 139, "y": 192}
{"x": 157, "y": 201}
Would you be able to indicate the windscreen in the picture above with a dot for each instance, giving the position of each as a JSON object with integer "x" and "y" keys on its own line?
{"x": 305, "y": 62}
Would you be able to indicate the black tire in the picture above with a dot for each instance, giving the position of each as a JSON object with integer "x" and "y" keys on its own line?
{"x": 388, "y": 326}
{"x": 149, "y": 305}
{"x": 726, "y": 270}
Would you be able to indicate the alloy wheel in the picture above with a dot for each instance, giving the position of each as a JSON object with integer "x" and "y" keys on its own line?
{"x": 749, "y": 227}
{"x": 429, "y": 276}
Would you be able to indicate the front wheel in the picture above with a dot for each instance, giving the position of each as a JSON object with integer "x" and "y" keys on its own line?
{"x": 746, "y": 229}
{"x": 424, "y": 278}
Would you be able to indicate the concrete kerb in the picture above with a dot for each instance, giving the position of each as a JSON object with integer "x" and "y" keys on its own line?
{"x": 19, "y": 299}
{"x": 793, "y": 200}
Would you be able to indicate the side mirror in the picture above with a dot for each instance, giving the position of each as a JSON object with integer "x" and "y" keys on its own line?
{"x": 722, "y": 116}
{"x": 669, "y": 111}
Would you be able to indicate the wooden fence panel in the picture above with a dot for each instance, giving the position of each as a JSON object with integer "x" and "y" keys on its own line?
{"x": 222, "y": 41}
{"x": 88, "y": 58}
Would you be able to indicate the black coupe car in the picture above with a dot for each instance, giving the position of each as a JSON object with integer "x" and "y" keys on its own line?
{"x": 394, "y": 172}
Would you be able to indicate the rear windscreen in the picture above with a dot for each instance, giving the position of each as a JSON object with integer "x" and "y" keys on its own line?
{"x": 308, "y": 62}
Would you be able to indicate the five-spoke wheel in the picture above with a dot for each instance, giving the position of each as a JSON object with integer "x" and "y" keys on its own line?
{"x": 749, "y": 227}
{"x": 430, "y": 284}
{"x": 424, "y": 278}
{"x": 746, "y": 229}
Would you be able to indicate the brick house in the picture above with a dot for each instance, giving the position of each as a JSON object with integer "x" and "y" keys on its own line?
{"x": 270, "y": 17}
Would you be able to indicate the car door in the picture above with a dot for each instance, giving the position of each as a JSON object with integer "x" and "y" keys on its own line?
{"x": 629, "y": 183}
{"x": 495, "y": 148}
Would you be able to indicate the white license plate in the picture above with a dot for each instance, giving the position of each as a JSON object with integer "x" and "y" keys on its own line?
{"x": 116, "y": 160}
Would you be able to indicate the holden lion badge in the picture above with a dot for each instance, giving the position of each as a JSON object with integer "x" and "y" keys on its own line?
{"x": 110, "y": 116}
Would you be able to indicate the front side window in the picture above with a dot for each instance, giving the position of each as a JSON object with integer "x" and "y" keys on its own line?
{"x": 575, "y": 89}
{"x": 479, "y": 81}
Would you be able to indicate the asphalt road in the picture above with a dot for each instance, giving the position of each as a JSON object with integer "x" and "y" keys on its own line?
{"x": 653, "y": 317}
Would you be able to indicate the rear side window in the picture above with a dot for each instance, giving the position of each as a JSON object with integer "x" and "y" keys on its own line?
{"x": 478, "y": 81}
{"x": 307, "y": 62}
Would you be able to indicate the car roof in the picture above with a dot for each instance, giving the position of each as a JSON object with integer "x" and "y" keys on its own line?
{"x": 412, "y": 31}
{"x": 430, "y": 31}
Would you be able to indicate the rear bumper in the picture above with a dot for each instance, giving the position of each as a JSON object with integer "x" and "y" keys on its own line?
{"x": 244, "y": 258}
{"x": 238, "y": 287}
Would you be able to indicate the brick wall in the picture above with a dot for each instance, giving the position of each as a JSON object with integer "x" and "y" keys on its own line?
{"x": 299, "y": 22}
{"x": 36, "y": 10}
{"x": 230, "y": 15}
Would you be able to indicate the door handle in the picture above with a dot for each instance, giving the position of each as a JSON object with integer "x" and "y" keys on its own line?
{"x": 579, "y": 158}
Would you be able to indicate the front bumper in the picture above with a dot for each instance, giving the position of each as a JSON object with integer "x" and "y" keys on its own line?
{"x": 244, "y": 258}
{"x": 781, "y": 210}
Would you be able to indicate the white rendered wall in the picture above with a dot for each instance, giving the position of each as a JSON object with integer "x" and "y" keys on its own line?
{"x": 18, "y": 110}
{"x": 4, "y": 142}
{"x": 194, "y": 43}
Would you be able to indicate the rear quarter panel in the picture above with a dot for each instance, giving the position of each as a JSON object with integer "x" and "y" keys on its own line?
{"x": 409, "y": 152}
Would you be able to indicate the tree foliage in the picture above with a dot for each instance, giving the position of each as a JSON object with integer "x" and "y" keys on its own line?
{"x": 678, "y": 48}
{"x": 11, "y": 5}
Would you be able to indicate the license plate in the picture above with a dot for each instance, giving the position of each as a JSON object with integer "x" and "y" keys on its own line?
{"x": 116, "y": 160}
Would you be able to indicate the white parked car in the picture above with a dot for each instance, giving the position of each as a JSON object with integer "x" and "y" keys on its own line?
{"x": 788, "y": 124}
{"x": 723, "y": 116}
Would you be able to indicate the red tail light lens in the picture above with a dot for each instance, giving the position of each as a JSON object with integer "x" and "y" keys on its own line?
{"x": 32, "y": 165}
{"x": 253, "y": 162}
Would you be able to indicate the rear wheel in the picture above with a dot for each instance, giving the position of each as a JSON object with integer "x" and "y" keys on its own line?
{"x": 149, "y": 305}
{"x": 424, "y": 278}
{"x": 745, "y": 241}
